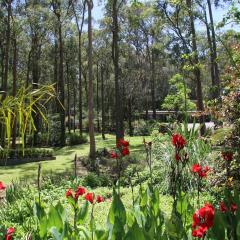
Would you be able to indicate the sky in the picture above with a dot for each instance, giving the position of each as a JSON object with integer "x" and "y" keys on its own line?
{"x": 218, "y": 14}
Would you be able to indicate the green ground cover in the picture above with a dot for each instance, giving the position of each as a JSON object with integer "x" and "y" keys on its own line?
{"x": 64, "y": 159}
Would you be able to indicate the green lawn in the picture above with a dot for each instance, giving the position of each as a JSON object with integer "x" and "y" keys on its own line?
{"x": 64, "y": 159}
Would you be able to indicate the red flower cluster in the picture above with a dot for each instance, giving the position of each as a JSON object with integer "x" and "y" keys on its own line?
{"x": 114, "y": 155}
{"x": 10, "y": 233}
{"x": 122, "y": 143}
{"x": 178, "y": 141}
{"x": 79, "y": 192}
{"x": 228, "y": 156}
{"x": 223, "y": 208}
{"x": 2, "y": 186}
{"x": 202, "y": 220}
{"x": 90, "y": 197}
{"x": 201, "y": 171}
{"x": 123, "y": 147}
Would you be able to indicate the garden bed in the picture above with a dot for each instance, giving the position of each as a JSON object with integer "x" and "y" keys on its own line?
{"x": 18, "y": 156}
{"x": 17, "y": 161}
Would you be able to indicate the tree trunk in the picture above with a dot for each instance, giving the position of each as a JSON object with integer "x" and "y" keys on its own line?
{"x": 216, "y": 69}
{"x": 98, "y": 121}
{"x": 80, "y": 28}
{"x": 92, "y": 153}
{"x": 74, "y": 109}
{"x": 61, "y": 84}
{"x": 211, "y": 50}
{"x": 14, "y": 130}
{"x": 2, "y": 63}
{"x": 55, "y": 76}
{"x": 68, "y": 98}
{"x": 197, "y": 73}
{"x": 115, "y": 55}
{"x": 8, "y": 34}
{"x": 102, "y": 103}
{"x": 35, "y": 82}
{"x": 6, "y": 63}
{"x": 130, "y": 116}
{"x": 153, "y": 85}
{"x": 28, "y": 69}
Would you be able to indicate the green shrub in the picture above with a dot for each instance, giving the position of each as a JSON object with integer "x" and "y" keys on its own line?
{"x": 178, "y": 97}
{"x": 141, "y": 128}
{"x": 93, "y": 180}
{"x": 16, "y": 156}
{"x": 42, "y": 139}
{"x": 54, "y": 131}
{"x": 76, "y": 139}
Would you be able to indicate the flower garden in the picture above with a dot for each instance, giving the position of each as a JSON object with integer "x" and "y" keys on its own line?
{"x": 119, "y": 120}
{"x": 195, "y": 208}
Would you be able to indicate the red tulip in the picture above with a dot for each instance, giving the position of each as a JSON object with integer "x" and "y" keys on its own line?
{"x": 202, "y": 220}
{"x": 89, "y": 197}
{"x": 178, "y": 141}
{"x": 100, "y": 199}
{"x": 196, "y": 168}
{"x": 114, "y": 155}
{"x": 2, "y": 186}
{"x": 10, "y": 233}
{"x": 125, "y": 151}
{"x": 199, "y": 232}
{"x": 233, "y": 207}
{"x": 177, "y": 157}
{"x": 80, "y": 191}
{"x": 223, "y": 207}
{"x": 122, "y": 143}
{"x": 69, "y": 193}
{"x": 201, "y": 171}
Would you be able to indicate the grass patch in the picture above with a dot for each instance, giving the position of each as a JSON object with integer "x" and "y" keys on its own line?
{"x": 220, "y": 134}
{"x": 64, "y": 159}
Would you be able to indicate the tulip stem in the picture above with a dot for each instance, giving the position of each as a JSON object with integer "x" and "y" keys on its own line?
{"x": 198, "y": 192}
{"x": 130, "y": 180}
{"x": 38, "y": 181}
{"x": 119, "y": 175}
{"x": 75, "y": 219}
{"x": 92, "y": 221}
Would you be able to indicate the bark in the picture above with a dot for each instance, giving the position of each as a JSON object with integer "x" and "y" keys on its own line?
{"x": 2, "y": 63}
{"x": 115, "y": 55}
{"x": 211, "y": 49}
{"x": 28, "y": 68}
{"x": 74, "y": 109}
{"x": 150, "y": 58}
{"x": 153, "y": 85}
{"x": 216, "y": 91}
{"x": 92, "y": 153}
{"x": 102, "y": 103}
{"x": 98, "y": 121}
{"x": 130, "y": 117}
{"x": 80, "y": 29}
{"x": 197, "y": 73}
{"x": 6, "y": 62}
{"x": 35, "y": 77}
{"x": 55, "y": 76}
{"x": 61, "y": 84}
{"x": 68, "y": 98}
{"x": 14, "y": 130}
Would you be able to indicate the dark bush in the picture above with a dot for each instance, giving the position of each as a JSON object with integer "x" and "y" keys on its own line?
{"x": 15, "y": 156}
{"x": 43, "y": 139}
{"x": 93, "y": 180}
{"x": 75, "y": 139}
